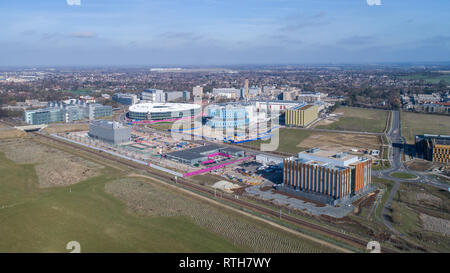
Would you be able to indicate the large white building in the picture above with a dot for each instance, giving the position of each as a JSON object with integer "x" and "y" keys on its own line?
{"x": 311, "y": 96}
{"x": 153, "y": 95}
{"x": 197, "y": 91}
{"x": 229, "y": 93}
{"x": 161, "y": 111}
{"x": 110, "y": 131}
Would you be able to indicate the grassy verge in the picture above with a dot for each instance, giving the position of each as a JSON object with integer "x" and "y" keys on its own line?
{"x": 403, "y": 175}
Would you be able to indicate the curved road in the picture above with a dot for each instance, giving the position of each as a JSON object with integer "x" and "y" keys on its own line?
{"x": 396, "y": 142}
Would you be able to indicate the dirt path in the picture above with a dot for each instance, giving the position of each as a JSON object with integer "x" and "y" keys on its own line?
{"x": 340, "y": 249}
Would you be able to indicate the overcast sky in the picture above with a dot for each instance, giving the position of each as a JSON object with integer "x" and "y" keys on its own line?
{"x": 220, "y": 32}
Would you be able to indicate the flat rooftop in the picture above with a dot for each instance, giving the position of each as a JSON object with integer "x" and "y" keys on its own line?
{"x": 186, "y": 155}
{"x": 341, "y": 156}
{"x": 316, "y": 156}
{"x": 442, "y": 141}
{"x": 107, "y": 124}
{"x": 201, "y": 152}
{"x": 303, "y": 107}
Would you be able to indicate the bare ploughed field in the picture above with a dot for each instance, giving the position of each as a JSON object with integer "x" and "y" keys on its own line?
{"x": 340, "y": 142}
{"x": 12, "y": 133}
{"x": 435, "y": 224}
{"x": 53, "y": 167}
{"x": 61, "y": 128}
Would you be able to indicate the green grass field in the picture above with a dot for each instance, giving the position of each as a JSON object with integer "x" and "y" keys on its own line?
{"x": 79, "y": 92}
{"x": 416, "y": 124}
{"x": 359, "y": 119}
{"x": 289, "y": 139}
{"x": 433, "y": 79}
{"x": 44, "y": 220}
{"x": 402, "y": 175}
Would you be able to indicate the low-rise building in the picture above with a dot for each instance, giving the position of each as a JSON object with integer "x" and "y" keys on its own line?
{"x": 203, "y": 153}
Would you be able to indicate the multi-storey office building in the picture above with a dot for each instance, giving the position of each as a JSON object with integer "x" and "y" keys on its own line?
{"x": 197, "y": 91}
{"x": 125, "y": 99}
{"x": 435, "y": 148}
{"x": 62, "y": 112}
{"x": 97, "y": 110}
{"x": 302, "y": 115}
{"x": 228, "y": 116}
{"x": 230, "y": 93}
{"x": 310, "y": 96}
{"x": 110, "y": 131}
{"x": 43, "y": 116}
{"x": 175, "y": 95}
{"x": 335, "y": 176}
{"x": 153, "y": 95}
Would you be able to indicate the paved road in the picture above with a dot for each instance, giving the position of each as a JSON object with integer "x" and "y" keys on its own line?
{"x": 332, "y": 131}
{"x": 396, "y": 142}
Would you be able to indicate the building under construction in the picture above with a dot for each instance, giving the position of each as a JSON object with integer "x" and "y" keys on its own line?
{"x": 435, "y": 148}
{"x": 326, "y": 176}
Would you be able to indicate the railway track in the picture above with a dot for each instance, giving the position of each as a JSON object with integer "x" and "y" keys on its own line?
{"x": 301, "y": 223}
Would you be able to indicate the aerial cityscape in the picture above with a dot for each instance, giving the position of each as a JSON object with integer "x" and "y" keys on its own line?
{"x": 272, "y": 127}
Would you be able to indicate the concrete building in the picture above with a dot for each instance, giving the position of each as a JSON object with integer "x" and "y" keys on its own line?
{"x": 110, "y": 131}
{"x": 67, "y": 111}
{"x": 177, "y": 95}
{"x": 97, "y": 110}
{"x": 302, "y": 116}
{"x": 310, "y": 97}
{"x": 43, "y": 116}
{"x": 254, "y": 91}
{"x": 426, "y": 98}
{"x": 125, "y": 99}
{"x": 153, "y": 95}
{"x": 434, "y": 148}
{"x": 289, "y": 95}
{"x": 440, "y": 107}
{"x": 228, "y": 116}
{"x": 280, "y": 105}
{"x": 197, "y": 92}
{"x": 326, "y": 176}
{"x": 161, "y": 111}
{"x": 246, "y": 89}
{"x": 229, "y": 93}
{"x": 269, "y": 159}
